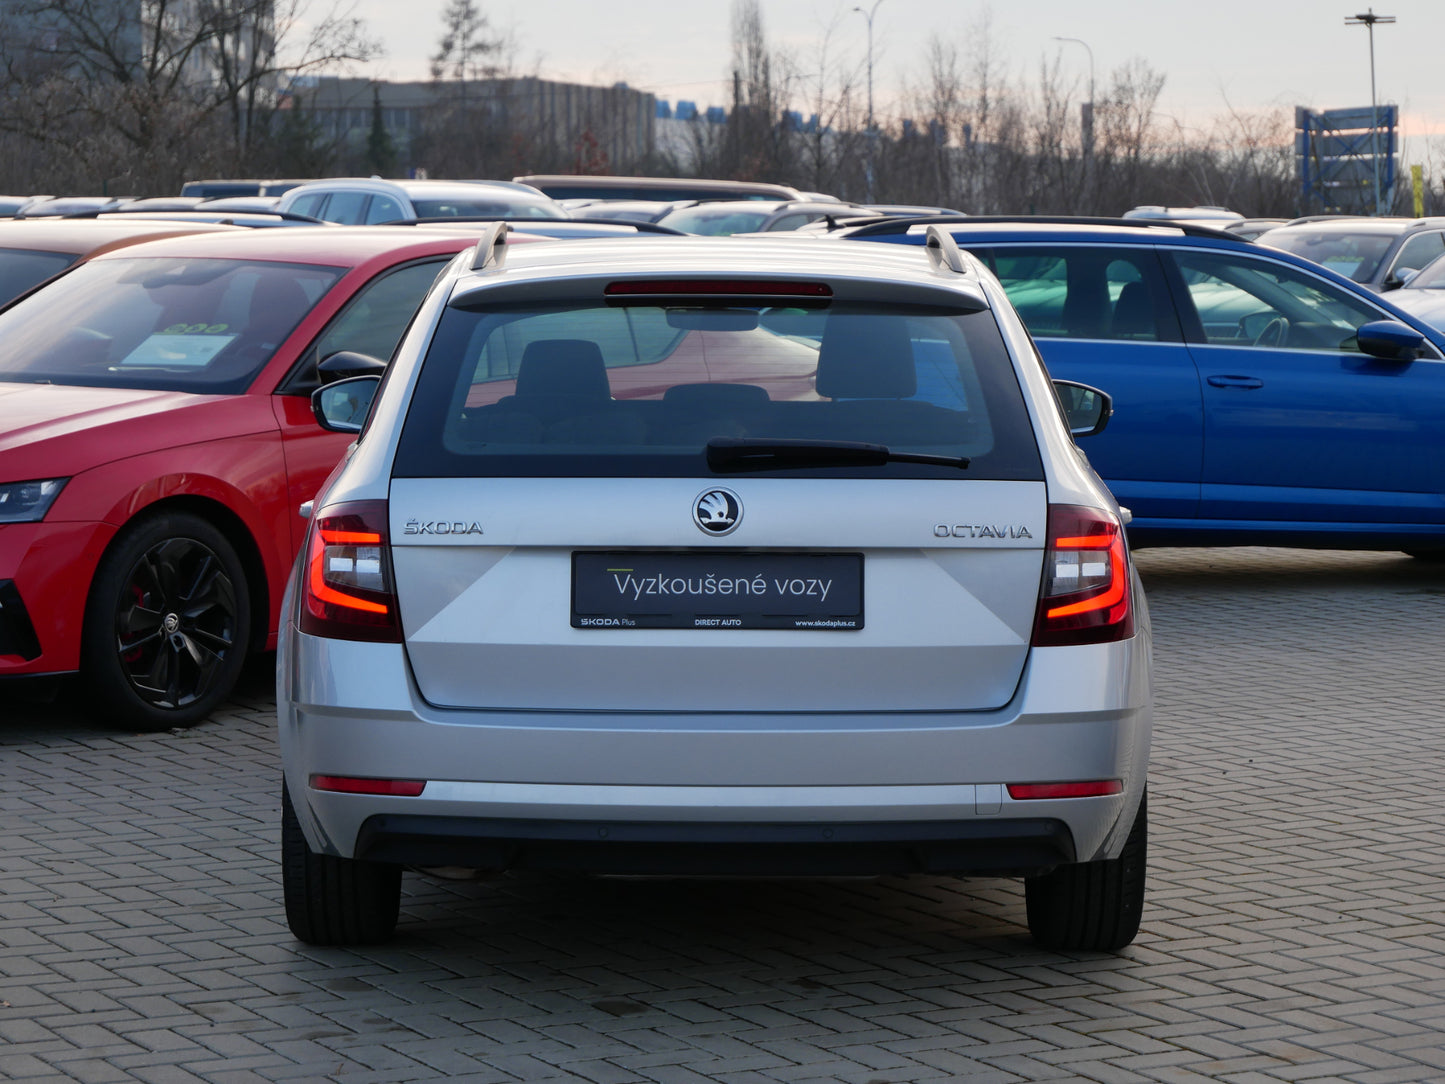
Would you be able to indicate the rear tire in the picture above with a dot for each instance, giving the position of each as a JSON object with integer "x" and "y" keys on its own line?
{"x": 1092, "y": 906}
{"x": 167, "y": 624}
{"x": 330, "y": 900}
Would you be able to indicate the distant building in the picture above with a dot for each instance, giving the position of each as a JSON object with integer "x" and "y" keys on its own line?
{"x": 36, "y": 39}
{"x": 203, "y": 38}
{"x": 618, "y": 120}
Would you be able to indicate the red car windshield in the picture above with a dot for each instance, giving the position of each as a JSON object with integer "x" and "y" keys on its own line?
{"x": 164, "y": 324}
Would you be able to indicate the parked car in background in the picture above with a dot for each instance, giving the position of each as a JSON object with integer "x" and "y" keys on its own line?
{"x": 904, "y": 209}
{"x": 592, "y": 186}
{"x": 851, "y": 216}
{"x": 59, "y": 206}
{"x": 1218, "y": 217}
{"x": 156, "y": 440}
{"x": 219, "y": 188}
{"x": 1423, "y": 296}
{"x": 1378, "y": 253}
{"x": 9, "y": 205}
{"x": 805, "y": 529}
{"x": 358, "y": 200}
{"x": 555, "y": 228}
{"x": 35, "y": 250}
{"x": 260, "y": 204}
{"x": 203, "y": 212}
{"x": 1250, "y": 228}
{"x": 1259, "y": 398}
{"x": 626, "y": 210}
{"x": 160, "y": 203}
{"x": 727, "y": 217}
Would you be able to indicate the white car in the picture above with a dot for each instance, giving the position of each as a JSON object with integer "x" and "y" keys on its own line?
{"x": 1423, "y": 295}
{"x": 361, "y": 201}
{"x": 676, "y": 555}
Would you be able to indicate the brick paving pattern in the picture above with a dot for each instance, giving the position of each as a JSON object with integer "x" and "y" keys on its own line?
{"x": 1294, "y": 930}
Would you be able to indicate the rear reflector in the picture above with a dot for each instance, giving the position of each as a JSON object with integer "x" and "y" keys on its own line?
{"x": 346, "y": 784}
{"x": 717, "y": 288}
{"x": 1097, "y": 788}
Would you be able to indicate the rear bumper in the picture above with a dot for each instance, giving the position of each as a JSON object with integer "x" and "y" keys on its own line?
{"x": 999, "y": 848}
{"x": 536, "y": 788}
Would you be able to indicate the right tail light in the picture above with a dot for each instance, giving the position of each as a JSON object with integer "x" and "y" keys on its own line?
{"x": 1087, "y": 597}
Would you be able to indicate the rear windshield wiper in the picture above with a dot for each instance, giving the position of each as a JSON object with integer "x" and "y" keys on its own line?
{"x": 738, "y": 455}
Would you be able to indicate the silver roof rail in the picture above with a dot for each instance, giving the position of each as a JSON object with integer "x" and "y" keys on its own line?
{"x": 491, "y": 251}
{"x": 943, "y": 250}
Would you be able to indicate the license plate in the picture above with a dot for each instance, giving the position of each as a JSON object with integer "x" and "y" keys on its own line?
{"x": 718, "y": 590}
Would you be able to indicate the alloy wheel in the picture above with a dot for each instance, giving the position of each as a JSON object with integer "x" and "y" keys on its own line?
{"x": 175, "y": 622}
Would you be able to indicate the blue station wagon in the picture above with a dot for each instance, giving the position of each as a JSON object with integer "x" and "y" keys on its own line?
{"x": 1260, "y": 399}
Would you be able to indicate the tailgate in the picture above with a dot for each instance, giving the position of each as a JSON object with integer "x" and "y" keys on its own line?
{"x": 877, "y": 595}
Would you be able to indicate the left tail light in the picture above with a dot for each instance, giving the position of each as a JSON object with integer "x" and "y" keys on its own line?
{"x": 348, "y": 589}
{"x": 1087, "y": 597}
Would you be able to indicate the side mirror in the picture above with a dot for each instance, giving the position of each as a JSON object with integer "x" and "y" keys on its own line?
{"x": 1390, "y": 340}
{"x": 347, "y": 363}
{"x": 342, "y": 406}
{"x": 1086, "y": 409}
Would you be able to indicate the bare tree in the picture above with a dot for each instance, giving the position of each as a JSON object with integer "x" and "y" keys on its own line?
{"x": 154, "y": 91}
{"x": 758, "y": 139}
{"x": 828, "y": 146}
{"x": 1254, "y": 157}
{"x": 467, "y": 50}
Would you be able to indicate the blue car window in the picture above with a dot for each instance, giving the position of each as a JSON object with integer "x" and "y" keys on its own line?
{"x": 1245, "y": 301}
{"x": 1085, "y": 293}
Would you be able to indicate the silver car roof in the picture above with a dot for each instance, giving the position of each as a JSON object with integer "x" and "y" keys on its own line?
{"x": 750, "y": 257}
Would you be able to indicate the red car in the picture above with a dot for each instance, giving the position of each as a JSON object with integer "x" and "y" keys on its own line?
{"x": 156, "y": 440}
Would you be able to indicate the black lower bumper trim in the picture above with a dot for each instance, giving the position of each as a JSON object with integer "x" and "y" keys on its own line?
{"x": 17, "y": 631}
{"x": 1022, "y": 847}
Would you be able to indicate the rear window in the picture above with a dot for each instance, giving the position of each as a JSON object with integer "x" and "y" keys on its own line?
{"x": 590, "y": 389}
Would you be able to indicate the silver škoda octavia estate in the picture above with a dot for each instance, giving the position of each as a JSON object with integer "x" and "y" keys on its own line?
{"x": 715, "y": 556}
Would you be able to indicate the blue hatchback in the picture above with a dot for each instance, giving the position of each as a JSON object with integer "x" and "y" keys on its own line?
{"x": 1260, "y": 399}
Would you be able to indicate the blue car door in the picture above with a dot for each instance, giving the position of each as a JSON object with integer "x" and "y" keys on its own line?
{"x": 1102, "y": 316}
{"x": 1301, "y": 427}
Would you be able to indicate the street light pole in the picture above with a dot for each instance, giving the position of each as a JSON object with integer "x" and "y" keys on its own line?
{"x": 1368, "y": 20}
{"x": 872, "y": 135}
{"x": 1086, "y": 118}
{"x": 868, "y": 14}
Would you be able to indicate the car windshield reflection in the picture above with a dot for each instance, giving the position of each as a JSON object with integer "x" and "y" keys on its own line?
{"x": 199, "y": 325}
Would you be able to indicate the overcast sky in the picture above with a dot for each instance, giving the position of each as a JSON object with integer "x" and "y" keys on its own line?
{"x": 1249, "y": 54}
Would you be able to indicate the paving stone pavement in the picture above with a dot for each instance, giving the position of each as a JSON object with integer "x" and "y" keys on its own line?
{"x": 1294, "y": 929}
